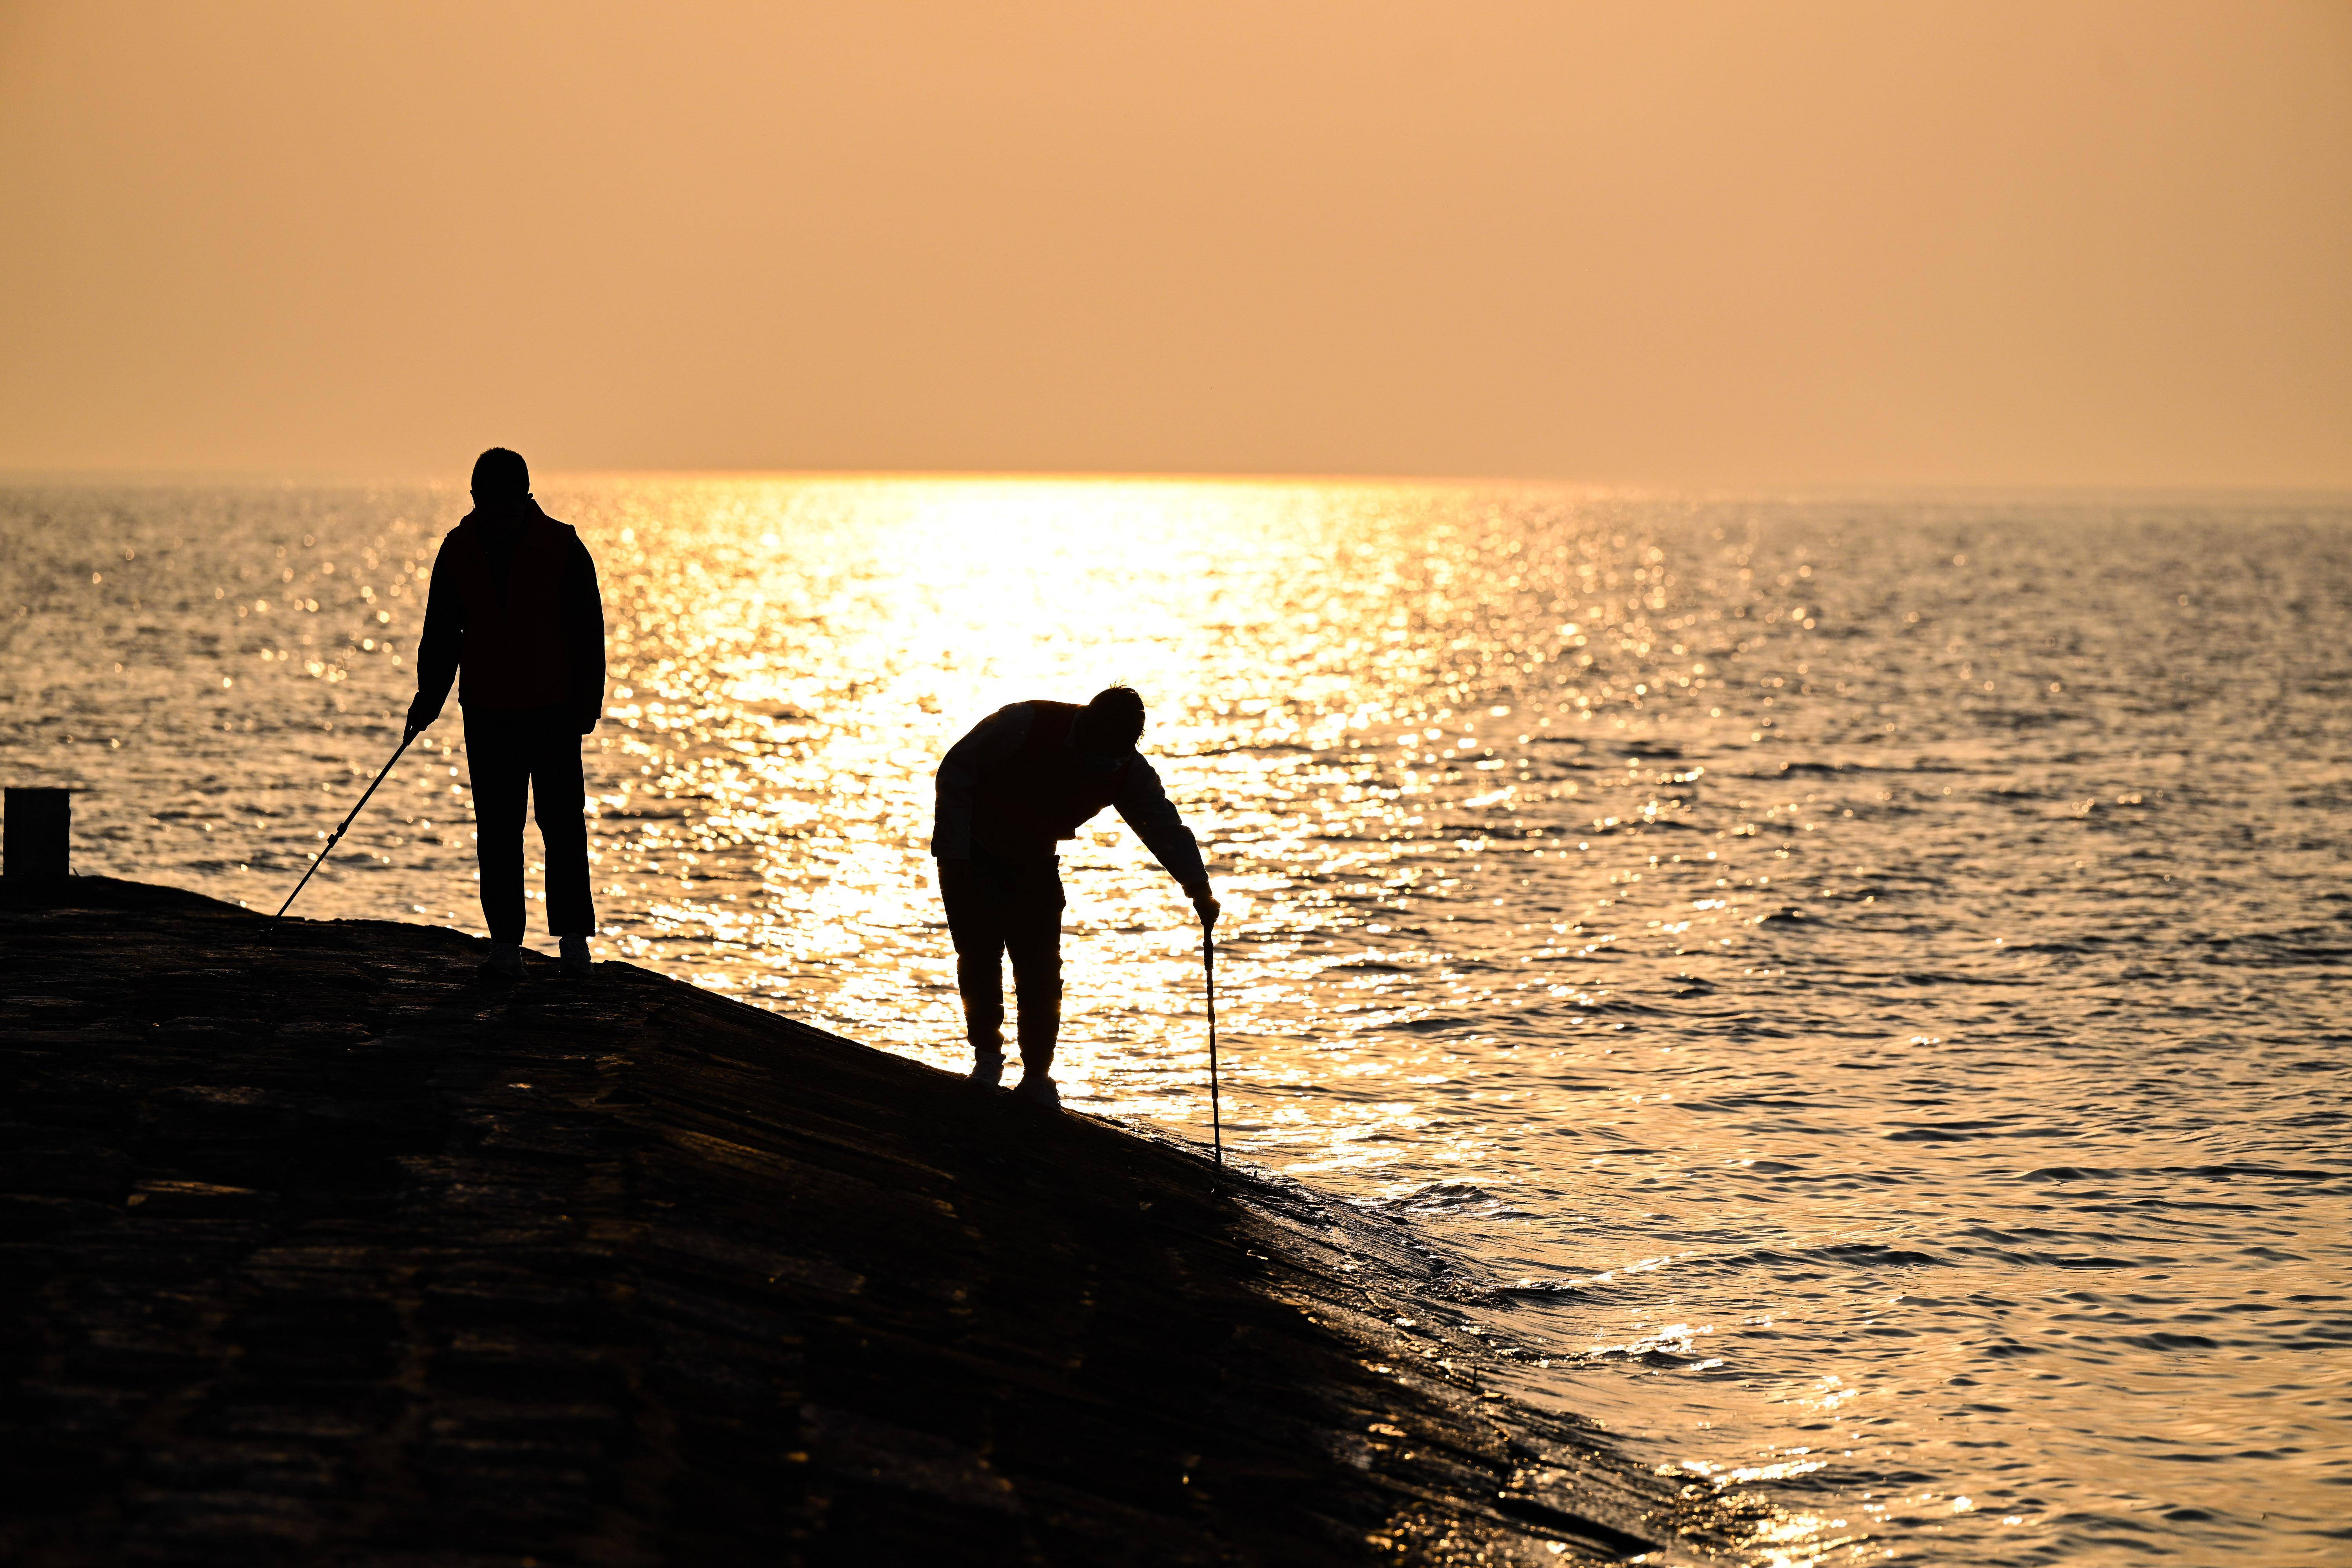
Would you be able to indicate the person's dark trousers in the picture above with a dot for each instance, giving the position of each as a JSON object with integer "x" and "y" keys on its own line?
{"x": 537, "y": 753}
{"x": 998, "y": 909}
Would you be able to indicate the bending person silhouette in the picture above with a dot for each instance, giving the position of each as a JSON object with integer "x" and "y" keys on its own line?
{"x": 514, "y": 608}
{"x": 1024, "y": 778}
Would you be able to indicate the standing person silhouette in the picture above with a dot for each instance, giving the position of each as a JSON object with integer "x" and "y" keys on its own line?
{"x": 514, "y": 606}
{"x": 1024, "y": 777}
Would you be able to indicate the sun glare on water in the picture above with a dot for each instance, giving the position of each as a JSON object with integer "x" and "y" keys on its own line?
{"x": 791, "y": 661}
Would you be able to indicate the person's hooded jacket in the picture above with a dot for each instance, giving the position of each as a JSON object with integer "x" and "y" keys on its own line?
{"x": 515, "y": 618}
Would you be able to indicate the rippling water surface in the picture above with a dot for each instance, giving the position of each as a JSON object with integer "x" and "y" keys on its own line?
{"x": 1866, "y": 974}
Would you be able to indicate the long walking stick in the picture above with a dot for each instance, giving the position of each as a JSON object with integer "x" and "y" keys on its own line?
{"x": 336, "y": 836}
{"x": 1209, "y": 972}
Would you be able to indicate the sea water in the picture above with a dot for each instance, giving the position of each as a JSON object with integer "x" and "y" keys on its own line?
{"x": 1862, "y": 975}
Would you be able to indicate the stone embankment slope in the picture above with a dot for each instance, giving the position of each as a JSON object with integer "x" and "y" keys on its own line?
{"x": 321, "y": 1250}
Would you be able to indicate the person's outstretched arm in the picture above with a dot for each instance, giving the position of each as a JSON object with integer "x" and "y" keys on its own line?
{"x": 444, "y": 640}
{"x": 990, "y": 741}
{"x": 583, "y": 626}
{"x": 1144, "y": 804}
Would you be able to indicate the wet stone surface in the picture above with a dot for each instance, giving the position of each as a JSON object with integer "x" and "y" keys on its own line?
{"x": 320, "y": 1250}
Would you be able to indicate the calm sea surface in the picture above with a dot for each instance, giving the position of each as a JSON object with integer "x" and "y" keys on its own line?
{"x": 1867, "y": 975}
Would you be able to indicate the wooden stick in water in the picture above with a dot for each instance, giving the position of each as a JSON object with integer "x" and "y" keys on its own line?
{"x": 1209, "y": 970}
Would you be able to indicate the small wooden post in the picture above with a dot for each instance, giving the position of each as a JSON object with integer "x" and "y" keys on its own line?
{"x": 38, "y": 836}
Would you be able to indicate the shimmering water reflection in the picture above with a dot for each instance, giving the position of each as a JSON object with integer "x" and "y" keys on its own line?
{"x": 1861, "y": 974}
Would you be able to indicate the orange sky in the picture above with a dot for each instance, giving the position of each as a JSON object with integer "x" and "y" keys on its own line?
{"x": 2065, "y": 241}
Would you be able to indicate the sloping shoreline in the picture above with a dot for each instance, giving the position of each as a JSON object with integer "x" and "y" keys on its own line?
{"x": 321, "y": 1250}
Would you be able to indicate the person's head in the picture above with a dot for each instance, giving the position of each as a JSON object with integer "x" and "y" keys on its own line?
{"x": 1111, "y": 723}
{"x": 501, "y": 477}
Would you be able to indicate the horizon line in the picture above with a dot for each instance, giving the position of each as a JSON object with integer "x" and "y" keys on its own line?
{"x": 1627, "y": 490}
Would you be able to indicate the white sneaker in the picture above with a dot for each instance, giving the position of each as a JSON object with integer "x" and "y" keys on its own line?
{"x": 987, "y": 1072}
{"x": 505, "y": 962}
{"x": 573, "y": 960}
{"x": 1038, "y": 1090}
